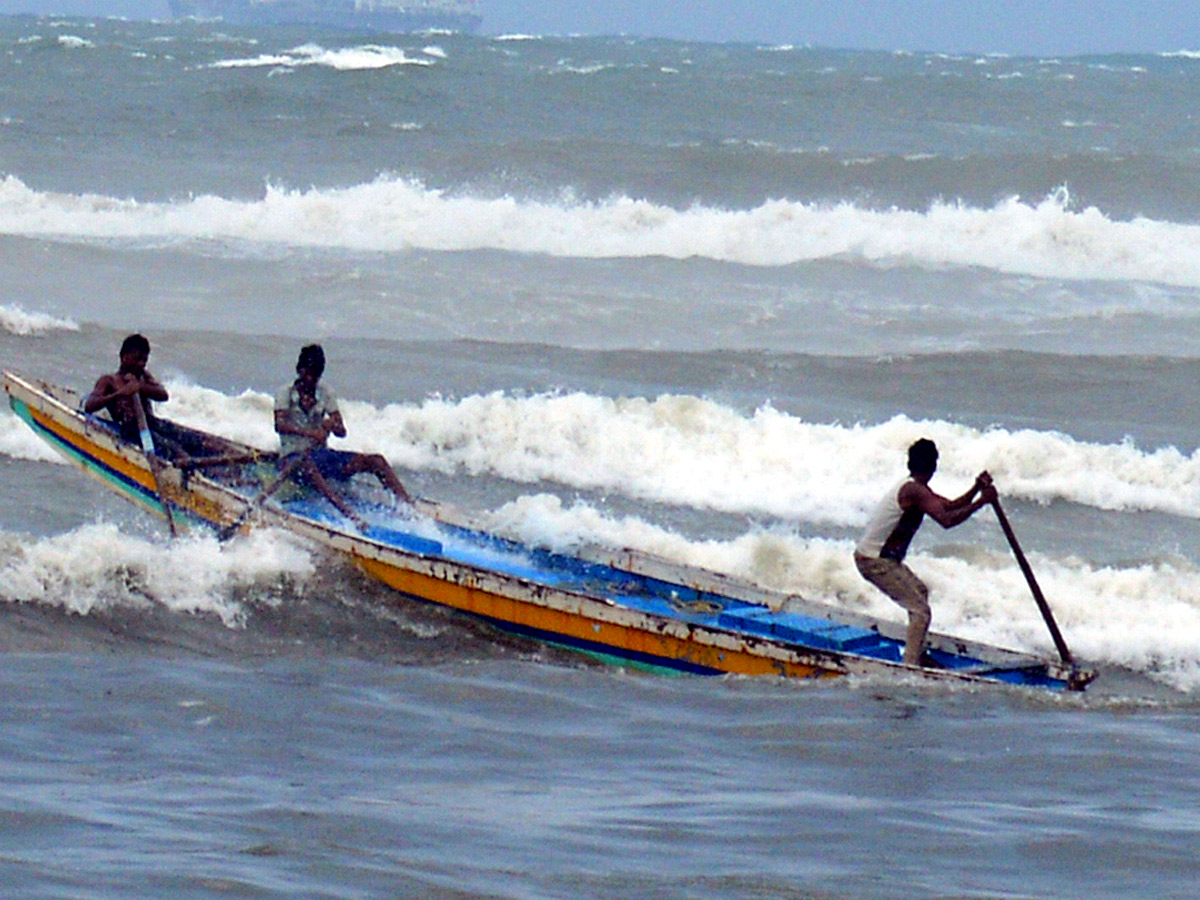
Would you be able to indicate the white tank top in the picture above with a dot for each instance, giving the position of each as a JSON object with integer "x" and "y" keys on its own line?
{"x": 884, "y": 527}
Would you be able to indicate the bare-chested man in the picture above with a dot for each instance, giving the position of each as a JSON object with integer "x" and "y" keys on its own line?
{"x": 119, "y": 391}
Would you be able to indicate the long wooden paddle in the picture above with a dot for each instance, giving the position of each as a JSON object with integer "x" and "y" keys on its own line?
{"x": 152, "y": 460}
{"x": 284, "y": 474}
{"x": 1033, "y": 586}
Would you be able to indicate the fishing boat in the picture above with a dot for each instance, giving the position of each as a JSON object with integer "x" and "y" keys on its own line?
{"x": 620, "y": 605}
{"x": 388, "y": 16}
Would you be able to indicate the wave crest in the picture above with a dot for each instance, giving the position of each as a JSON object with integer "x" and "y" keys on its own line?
{"x": 690, "y": 451}
{"x": 97, "y": 567}
{"x": 16, "y": 320}
{"x": 1045, "y": 239}
{"x": 343, "y": 59}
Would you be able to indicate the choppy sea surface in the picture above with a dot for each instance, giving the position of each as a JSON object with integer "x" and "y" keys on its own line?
{"x": 691, "y": 298}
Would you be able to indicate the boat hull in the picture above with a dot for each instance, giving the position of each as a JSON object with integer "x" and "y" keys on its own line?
{"x": 612, "y": 604}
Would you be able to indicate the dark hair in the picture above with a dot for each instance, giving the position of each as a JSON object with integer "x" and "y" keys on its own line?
{"x": 923, "y": 457}
{"x": 135, "y": 343}
{"x": 312, "y": 359}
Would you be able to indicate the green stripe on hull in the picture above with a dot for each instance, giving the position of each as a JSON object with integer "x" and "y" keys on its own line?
{"x": 613, "y": 659}
{"x": 89, "y": 464}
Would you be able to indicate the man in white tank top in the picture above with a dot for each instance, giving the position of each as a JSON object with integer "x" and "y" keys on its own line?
{"x": 880, "y": 553}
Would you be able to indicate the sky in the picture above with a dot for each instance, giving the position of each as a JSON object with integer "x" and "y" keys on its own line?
{"x": 1017, "y": 27}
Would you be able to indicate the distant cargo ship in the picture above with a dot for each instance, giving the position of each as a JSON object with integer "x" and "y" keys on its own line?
{"x": 394, "y": 16}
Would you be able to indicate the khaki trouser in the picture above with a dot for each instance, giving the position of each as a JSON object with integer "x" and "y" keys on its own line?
{"x": 898, "y": 581}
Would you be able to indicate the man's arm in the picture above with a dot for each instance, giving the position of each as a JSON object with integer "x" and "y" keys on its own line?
{"x": 334, "y": 425}
{"x": 151, "y": 389}
{"x": 285, "y": 424}
{"x": 965, "y": 500}
{"x": 332, "y": 421}
{"x": 101, "y": 393}
{"x": 945, "y": 512}
{"x": 109, "y": 387}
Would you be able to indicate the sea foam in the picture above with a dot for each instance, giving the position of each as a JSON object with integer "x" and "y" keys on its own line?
{"x": 16, "y": 320}
{"x": 97, "y": 567}
{"x": 346, "y": 59}
{"x": 74, "y": 42}
{"x": 1045, "y": 238}
{"x": 691, "y": 451}
{"x": 17, "y": 441}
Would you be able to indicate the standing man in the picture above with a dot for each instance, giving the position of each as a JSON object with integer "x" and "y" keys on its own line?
{"x": 306, "y": 414}
{"x": 130, "y": 384}
{"x": 880, "y": 553}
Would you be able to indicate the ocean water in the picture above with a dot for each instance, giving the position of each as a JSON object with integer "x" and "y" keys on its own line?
{"x": 691, "y": 298}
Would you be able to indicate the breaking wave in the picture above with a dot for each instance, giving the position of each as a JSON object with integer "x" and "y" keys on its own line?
{"x": 1044, "y": 238}
{"x": 17, "y": 441}
{"x": 98, "y": 567}
{"x": 346, "y": 59}
{"x": 690, "y": 451}
{"x": 16, "y": 320}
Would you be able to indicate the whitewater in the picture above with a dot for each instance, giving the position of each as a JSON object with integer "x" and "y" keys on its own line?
{"x": 1042, "y": 237}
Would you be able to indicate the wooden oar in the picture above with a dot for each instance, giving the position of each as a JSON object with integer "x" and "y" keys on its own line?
{"x": 284, "y": 474}
{"x": 152, "y": 460}
{"x": 1033, "y": 586}
{"x": 228, "y": 459}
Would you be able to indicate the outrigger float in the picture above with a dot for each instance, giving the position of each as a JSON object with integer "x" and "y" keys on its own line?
{"x": 623, "y": 606}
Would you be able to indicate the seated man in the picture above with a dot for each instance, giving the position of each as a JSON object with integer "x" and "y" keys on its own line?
{"x": 117, "y": 393}
{"x": 130, "y": 384}
{"x": 306, "y": 414}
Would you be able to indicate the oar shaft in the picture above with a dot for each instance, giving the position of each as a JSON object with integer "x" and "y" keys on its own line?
{"x": 152, "y": 460}
{"x": 1033, "y": 585}
{"x": 283, "y": 475}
